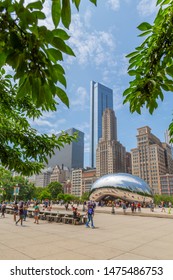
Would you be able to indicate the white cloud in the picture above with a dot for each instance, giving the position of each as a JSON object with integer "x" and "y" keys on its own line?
{"x": 84, "y": 127}
{"x": 40, "y": 122}
{"x": 94, "y": 47}
{"x": 108, "y": 72}
{"x": 87, "y": 17}
{"x": 118, "y": 98}
{"x": 114, "y": 4}
{"x": 60, "y": 121}
{"x": 54, "y": 131}
{"x": 147, "y": 7}
{"x": 47, "y": 115}
{"x": 81, "y": 100}
{"x": 44, "y": 122}
{"x": 123, "y": 65}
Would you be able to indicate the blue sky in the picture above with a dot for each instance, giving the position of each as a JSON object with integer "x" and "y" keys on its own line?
{"x": 101, "y": 37}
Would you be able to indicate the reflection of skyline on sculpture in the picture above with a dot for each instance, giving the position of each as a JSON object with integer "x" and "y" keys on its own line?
{"x": 126, "y": 181}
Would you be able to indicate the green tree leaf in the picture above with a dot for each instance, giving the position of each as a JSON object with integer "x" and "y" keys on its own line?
{"x": 3, "y": 57}
{"x": 59, "y": 44}
{"x": 132, "y": 54}
{"x": 132, "y": 73}
{"x": 169, "y": 70}
{"x": 66, "y": 13}
{"x": 94, "y": 1}
{"x": 35, "y": 5}
{"x": 39, "y": 14}
{"x": 77, "y": 3}
{"x": 56, "y": 12}
{"x": 61, "y": 34}
{"x": 158, "y": 2}
{"x": 54, "y": 55}
{"x": 144, "y": 26}
{"x": 62, "y": 96}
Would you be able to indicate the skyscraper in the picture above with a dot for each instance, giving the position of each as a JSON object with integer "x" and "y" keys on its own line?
{"x": 110, "y": 154}
{"x": 71, "y": 155}
{"x": 151, "y": 158}
{"x": 101, "y": 97}
{"x": 167, "y": 140}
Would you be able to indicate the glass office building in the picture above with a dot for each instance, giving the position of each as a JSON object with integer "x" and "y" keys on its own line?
{"x": 101, "y": 97}
{"x": 71, "y": 155}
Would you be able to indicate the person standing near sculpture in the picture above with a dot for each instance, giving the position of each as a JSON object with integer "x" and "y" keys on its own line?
{"x": 124, "y": 207}
{"x": 90, "y": 215}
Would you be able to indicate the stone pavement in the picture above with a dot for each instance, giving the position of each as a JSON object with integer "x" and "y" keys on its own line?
{"x": 121, "y": 237}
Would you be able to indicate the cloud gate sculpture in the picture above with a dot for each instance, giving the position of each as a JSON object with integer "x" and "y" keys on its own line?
{"x": 121, "y": 185}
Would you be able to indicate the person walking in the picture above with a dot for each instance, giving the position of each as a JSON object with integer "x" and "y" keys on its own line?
{"x": 83, "y": 208}
{"x": 132, "y": 207}
{"x": 25, "y": 210}
{"x": 3, "y": 208}
{"x": 15, "y": 210}
{"x": 113, "y": 207}
{"x": 90, "y": 215}
{"x": 170, "y": 206}
{"x": 139, "y": 207}
{"x": 36, "y": 213}
{"x": 124, "y": 207}
{"x": 66, "y": 206}
{"x": 163, "y": 206}
{"x": 21, "y": 213}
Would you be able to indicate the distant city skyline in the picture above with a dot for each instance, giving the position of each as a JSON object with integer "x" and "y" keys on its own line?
{"x": 101, "y": 37}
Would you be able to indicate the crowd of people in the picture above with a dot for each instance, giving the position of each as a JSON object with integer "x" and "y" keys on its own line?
{"x": 20, "y": 209}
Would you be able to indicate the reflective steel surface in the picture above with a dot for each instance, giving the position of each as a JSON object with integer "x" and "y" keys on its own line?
{"x": 124, "y": 181}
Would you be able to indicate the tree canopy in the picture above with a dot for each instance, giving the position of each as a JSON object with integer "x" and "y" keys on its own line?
{"x": 85, "y": 196}
{"x": 55, "y": 188}
{"x": 66, "y": 197}
{"x": 151, "y": 63}
{"x": 33, "y": 51}
{"x": 35, "y": 54}
{"x": 7, "y": 184}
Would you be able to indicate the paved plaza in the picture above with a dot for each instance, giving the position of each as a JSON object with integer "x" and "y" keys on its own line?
{"x": 121, "y": 237}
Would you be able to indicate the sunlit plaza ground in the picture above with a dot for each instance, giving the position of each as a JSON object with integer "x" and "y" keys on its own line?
{"x": 116, "y": 236}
